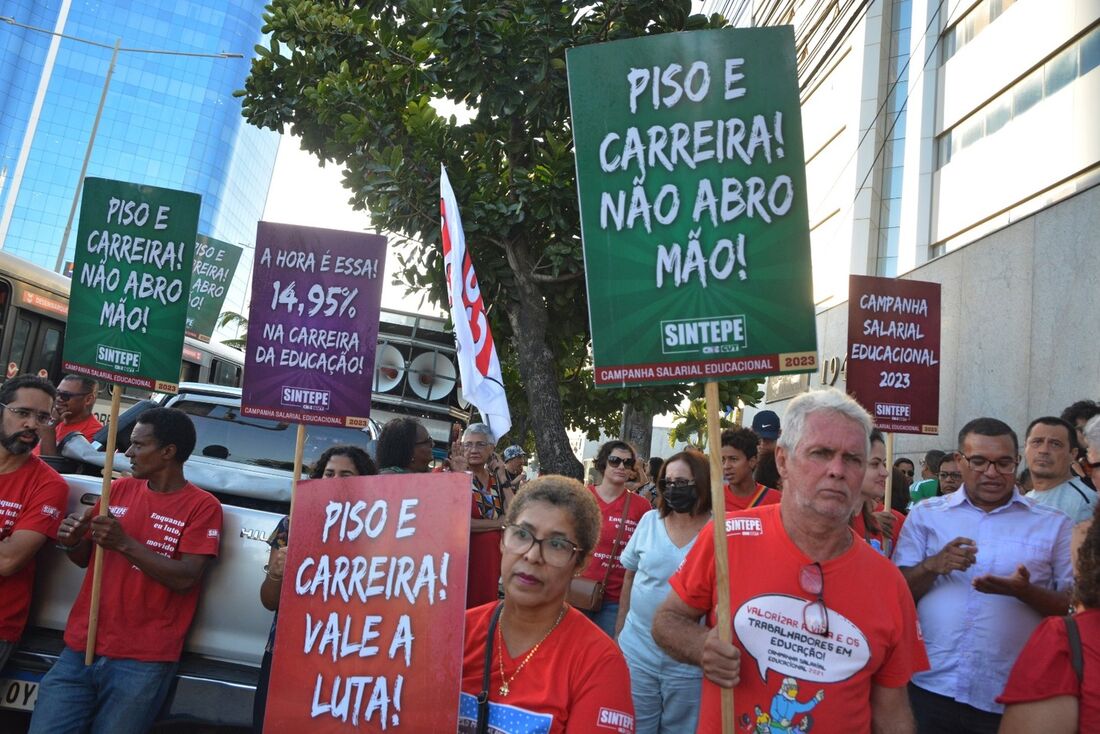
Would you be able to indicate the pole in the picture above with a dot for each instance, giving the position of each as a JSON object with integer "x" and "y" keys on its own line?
{"x": 60, "y": 264}
{"x": 886, "y": 501}
{"x": 299, "y": 450}
{"x": 104, "y": 504}
{"x": 721, "y": 550}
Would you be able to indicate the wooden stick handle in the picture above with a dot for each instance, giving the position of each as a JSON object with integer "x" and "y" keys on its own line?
{"x": 721, "y": 550}
{"x": 104, "y": 507}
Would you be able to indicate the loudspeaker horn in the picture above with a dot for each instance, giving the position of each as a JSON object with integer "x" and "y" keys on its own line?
{"x": 389, "y": 368}
{"x": 431, "y": 376}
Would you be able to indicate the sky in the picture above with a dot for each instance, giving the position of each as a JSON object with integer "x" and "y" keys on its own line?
{"x": 303, "y": 193}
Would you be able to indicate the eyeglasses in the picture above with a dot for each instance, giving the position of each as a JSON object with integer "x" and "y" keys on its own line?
{"x": 618, "y": 460}
{"x": 952, "y": 475}
{"x": 557, "y": 551}
{"x": 1090, "y": 465}
{"x": 1003, "y": 465}
{"x": 66, "y": 396}
{"x": 815, "y": 615}
{"x": 43, "y": 419}
{"x": 675, "y": 483}
{"x": 475, "y": 444}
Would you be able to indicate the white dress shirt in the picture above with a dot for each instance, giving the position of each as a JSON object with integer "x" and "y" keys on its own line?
{"x": 973, "y": 638}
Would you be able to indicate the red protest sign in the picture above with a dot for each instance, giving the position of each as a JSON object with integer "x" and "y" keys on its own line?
{"x": 894, "y": 352}
{"x": 372, "y": 608}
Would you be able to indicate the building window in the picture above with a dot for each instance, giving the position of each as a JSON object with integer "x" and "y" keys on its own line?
{"x": 971, "y": 24}
{"x": 892, "y": 156}
{"x": 1057, "y": 72}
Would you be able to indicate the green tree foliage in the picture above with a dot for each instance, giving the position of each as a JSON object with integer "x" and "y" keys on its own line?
{"x": 360, "y": 82}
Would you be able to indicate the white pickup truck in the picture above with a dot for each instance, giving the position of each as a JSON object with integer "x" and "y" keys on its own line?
{"x": 247, "y": 463}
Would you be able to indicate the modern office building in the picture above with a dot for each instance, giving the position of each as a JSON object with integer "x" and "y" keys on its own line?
{"x": 956, "y": 141}
{"x": 169, "y": 119}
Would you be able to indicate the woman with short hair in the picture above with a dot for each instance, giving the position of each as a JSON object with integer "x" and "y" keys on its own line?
{"x": 549, "y": 668}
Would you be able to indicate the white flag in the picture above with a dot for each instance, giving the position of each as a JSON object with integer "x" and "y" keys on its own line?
{"x": 478, "y": 365}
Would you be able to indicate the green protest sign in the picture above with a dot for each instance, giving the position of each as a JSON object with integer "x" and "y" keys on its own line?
{"x": 692, "y": 190}
{"x": 211, "y": 276}
{"x": 128, "y": 304}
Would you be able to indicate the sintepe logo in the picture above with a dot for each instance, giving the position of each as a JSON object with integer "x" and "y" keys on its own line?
{"x": 710, "y": 335}
{"x": 306, "y": 399}
{"x": 120, "y": 360}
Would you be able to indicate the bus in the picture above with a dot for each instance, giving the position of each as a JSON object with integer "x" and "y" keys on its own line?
{"x": 34, "y": 306}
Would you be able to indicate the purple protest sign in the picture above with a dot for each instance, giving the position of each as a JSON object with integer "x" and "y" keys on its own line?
{"x": 313, "y": 324}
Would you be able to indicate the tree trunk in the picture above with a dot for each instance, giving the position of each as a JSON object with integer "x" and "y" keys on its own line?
{"x": 528, "y": 319}
{"x": 637, "y": 429}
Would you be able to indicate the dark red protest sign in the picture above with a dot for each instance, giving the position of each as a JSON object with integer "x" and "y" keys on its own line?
{"x": 372, "y": 608}
{"x": 894, "y": 352}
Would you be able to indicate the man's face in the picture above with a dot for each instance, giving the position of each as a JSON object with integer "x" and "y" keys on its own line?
{"x": 736, "y": 469}
{"x": 147, "y": 456}
{"x": 824, "y": 473}
{"x": 478, "y": 449}
{"x": 990, "y": 487}
{"x": 1048, "y": 452}
{"x": 949, "y": 476}
{"x": 514, "y": 465}
{"x": 19, "y": 435}
{"x": 73, "y": 402}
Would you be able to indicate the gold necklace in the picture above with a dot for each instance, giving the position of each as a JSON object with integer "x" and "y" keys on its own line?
{"x": 504, "y": 683}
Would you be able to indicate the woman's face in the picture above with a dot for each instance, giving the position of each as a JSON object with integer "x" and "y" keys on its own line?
{"x": 528, "y": 579}
{"x": 340, "y": 466}
{"x": 874, "y": 481}
{"x": 618, "y": 474}
{"x": 422, "y": 451}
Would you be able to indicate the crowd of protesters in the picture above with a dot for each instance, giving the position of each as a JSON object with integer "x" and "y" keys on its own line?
{"x": 960, "y": 604}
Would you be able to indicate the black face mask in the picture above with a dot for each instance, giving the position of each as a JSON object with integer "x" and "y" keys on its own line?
{"x": 681, "y": 499}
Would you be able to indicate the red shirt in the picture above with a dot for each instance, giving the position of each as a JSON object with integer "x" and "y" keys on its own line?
{"x": 33, "y": 497}
{"x": 88, "y": 427}
{"x": 483, "y": 576}
{"x": 766, "y": 495}
{"x": 875, "y": 540}
{"x": 873, "y": 634}
{"x": 139, "y": 618}
{"x": 1044, "y": 671}
{"x": 576, "y": 682}
{"x": 612, "y": 513}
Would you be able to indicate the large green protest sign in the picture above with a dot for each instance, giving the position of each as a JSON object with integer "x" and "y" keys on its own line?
{"x": 211, "y": 276}
{"x": 692, "y": 189}
{"x": 132, "y": 274}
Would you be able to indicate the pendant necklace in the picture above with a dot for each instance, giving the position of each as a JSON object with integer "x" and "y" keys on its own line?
{"x": 505, "y": 682}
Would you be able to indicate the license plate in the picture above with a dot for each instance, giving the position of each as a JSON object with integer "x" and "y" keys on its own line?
{"x": 18, "y": 693}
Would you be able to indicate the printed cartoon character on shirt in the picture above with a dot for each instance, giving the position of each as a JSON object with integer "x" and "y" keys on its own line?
{"x": 786, "y": 708}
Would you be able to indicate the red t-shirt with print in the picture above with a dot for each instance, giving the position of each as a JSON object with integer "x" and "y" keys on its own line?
{"x": 1044, "y": 670}
{"x": 767, "y": 495}
{"x": 787, "y": 672}
{"x": 33, "y": 497}
{"x": 612, "y": 514}
{"x": 577, "y": 681}
{"x": 139, "y": 618}
{"x": 875, "y": 539}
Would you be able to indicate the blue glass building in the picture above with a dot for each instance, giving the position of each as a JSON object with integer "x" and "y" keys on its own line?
{"x": 169, "y": 120}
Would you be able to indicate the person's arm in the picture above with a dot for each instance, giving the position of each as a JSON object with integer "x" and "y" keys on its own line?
{"x": 17, "y": 550}
{"x": 178, "y": 574}
{"x": 957, "y": 555}
{"x": 890, "y": 712}
{"x": 1047, "y": 602}
{"x": 73, "y": 535}
{"x": 624, "y": 602}
{"x": 272, "y": 585}
{"x": 677, "y": 630}
{"x": 1058, "y": 715}
{"x": 47, "y": 440}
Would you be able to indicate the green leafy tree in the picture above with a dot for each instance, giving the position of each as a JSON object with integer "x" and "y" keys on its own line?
{"x": 360, "y": 83}
{"x": 240, "y": 323}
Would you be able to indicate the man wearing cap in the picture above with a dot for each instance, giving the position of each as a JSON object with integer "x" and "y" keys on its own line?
{"x": 513, "y": 467}
{"x": 765, "y": 425}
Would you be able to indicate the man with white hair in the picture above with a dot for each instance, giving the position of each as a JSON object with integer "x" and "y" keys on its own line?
{"x": 808, "y": 603}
